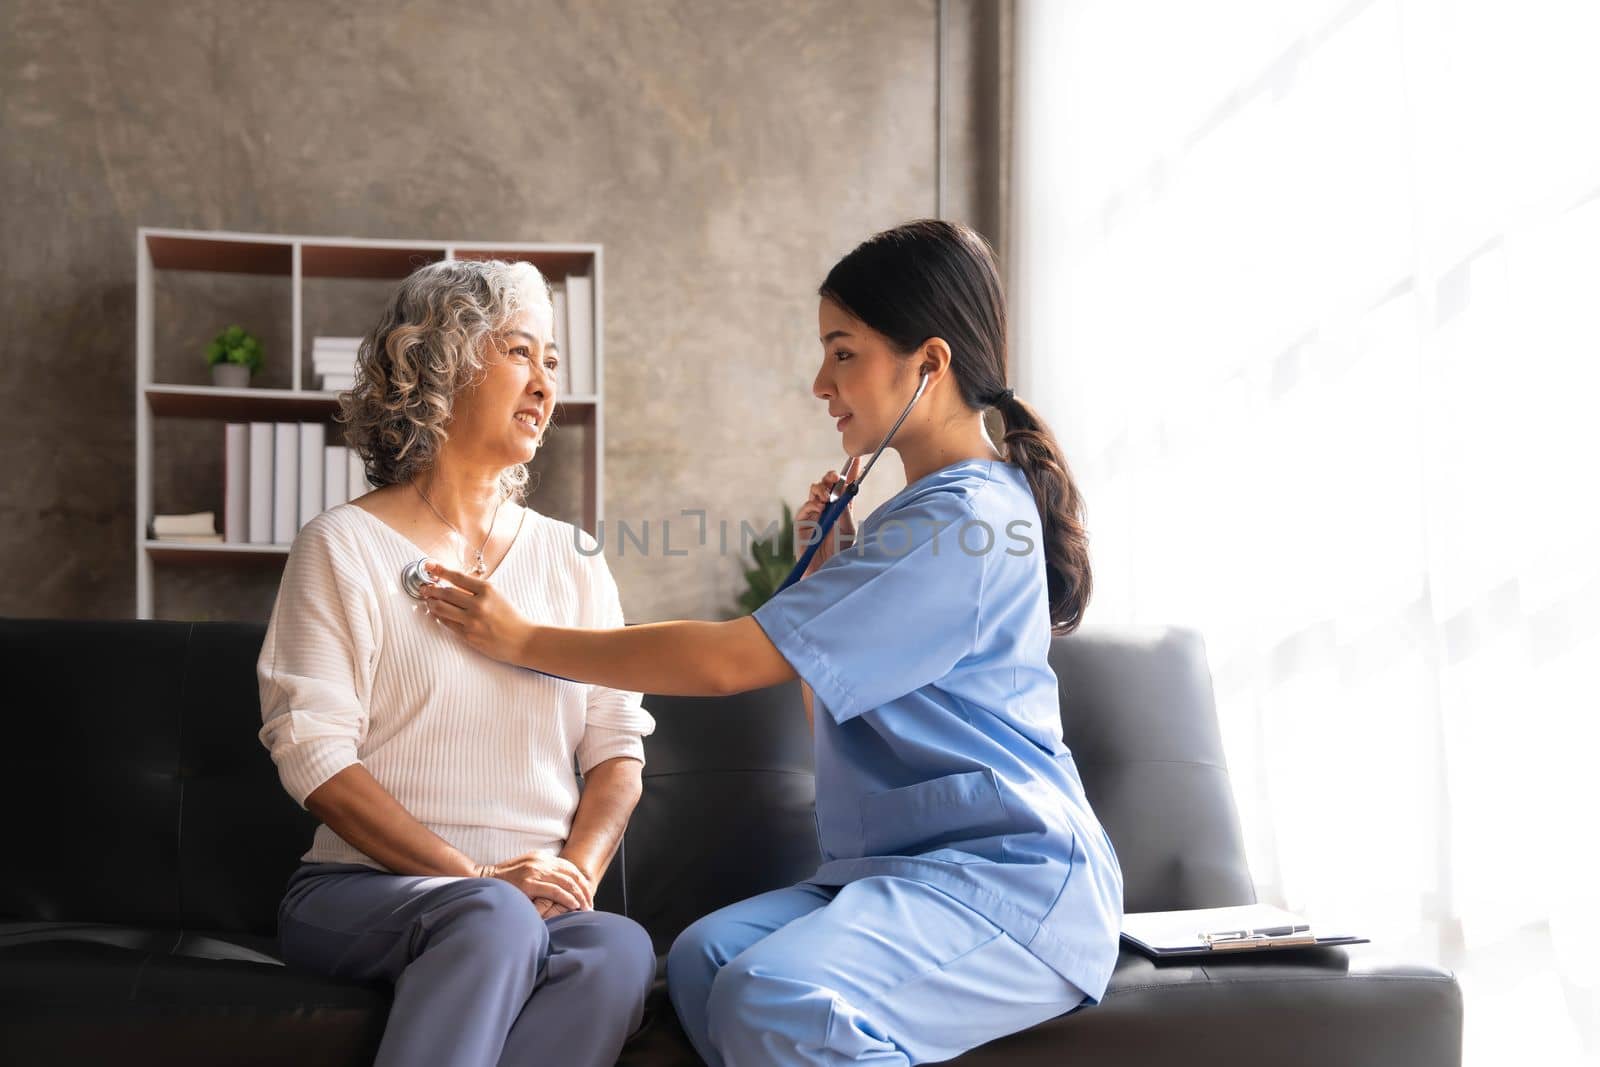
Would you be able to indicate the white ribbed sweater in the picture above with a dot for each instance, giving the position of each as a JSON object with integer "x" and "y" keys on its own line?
{"x": 480, "y": 752}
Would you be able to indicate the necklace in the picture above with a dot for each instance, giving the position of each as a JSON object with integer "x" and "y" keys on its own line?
{"x": 478, "y": 567}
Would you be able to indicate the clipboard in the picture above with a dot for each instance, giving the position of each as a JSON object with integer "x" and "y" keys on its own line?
{"x": 1224, "y": 931}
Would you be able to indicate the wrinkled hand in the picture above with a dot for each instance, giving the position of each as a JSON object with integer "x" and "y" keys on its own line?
{"x": 549, "y": 909}
{"x": 805, "y": 520}
{"x": 475, "y": 609}
{"x": 554, "y": 884}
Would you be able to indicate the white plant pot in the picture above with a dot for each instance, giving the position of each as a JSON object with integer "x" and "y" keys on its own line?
{"x": 230, "y": 375}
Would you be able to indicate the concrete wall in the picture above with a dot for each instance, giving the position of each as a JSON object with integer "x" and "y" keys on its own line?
{"x": 724, "y": 153}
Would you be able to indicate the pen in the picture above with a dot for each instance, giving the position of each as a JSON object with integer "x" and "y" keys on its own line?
{"x": 1264, "y": 931}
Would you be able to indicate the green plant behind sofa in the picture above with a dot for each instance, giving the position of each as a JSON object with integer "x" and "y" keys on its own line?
{"x": 773, "y": 559}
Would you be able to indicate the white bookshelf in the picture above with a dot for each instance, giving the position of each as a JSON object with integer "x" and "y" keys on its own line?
{"x": 299, "y": 258}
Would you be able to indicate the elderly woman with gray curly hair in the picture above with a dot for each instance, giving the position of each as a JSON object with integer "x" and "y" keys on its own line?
{"x": 457, "y": 856}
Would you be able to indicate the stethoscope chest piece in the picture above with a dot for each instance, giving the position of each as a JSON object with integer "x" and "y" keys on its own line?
{"x": 413, "y": 577}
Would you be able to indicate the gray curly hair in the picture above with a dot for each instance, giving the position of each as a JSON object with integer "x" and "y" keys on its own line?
{"x": 428, "y": 345}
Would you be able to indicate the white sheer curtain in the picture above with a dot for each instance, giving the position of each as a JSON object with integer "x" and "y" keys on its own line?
{"x": 1310, "y": 291}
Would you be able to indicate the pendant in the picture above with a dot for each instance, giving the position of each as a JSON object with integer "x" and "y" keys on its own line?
{"x": 478, "y": 568}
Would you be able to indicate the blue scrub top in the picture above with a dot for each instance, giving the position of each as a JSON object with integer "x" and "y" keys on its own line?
{"x": 939, "y": 754}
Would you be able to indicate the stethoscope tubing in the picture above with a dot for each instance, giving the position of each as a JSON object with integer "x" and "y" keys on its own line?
{"x": 825, "y": 521}
{"x": 837, "y": 505}
{"x": 414, "y": 576}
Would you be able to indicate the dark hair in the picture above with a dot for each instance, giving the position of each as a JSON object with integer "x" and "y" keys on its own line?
{"x": 932, "y": 278}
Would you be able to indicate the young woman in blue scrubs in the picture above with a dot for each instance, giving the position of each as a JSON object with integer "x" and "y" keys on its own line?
{"x": 967, "y": 889}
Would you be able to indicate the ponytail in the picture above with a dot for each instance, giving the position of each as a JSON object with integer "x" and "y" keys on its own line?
{"x": 1030, "y": 445}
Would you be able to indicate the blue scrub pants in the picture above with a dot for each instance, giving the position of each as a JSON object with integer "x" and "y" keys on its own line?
{"x": 884, "y": 970}
{"x": 479, "y": 978}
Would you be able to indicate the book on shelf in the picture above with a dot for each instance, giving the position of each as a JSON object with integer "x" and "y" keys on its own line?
{"x": 580, "y": 332}
{"x": 558, "y": 305}
{"x": 236, "y": 482}
{"x": 285, "y": 482}
{"x": 355, "y": 476}
{"x": 335, "y": 475}
{"x": 323, "y": 355}
{"x": 311, "y": 445}
{"x": 271, "y": 493}
{"x": 333, "y": 362}
{"x": 261, "y": 457}
{"x": 201, "y": 524}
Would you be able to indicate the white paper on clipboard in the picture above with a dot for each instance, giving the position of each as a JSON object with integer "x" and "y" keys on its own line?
{"x": 1182, "y": 933}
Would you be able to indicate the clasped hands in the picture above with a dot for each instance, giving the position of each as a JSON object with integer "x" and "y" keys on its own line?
{"x": 554, "y": 883}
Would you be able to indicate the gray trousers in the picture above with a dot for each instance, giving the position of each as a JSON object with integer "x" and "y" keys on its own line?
{"x": 479, "y": 978}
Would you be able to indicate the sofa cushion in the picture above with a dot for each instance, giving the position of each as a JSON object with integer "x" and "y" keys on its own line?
{"x": 88, "y": 771}
{"x": 1316, "y": 1008}
{"x": 1311, "y": 1008}
{"x": 243, "y": 835}
{"x": 99, "y": 993}
{"x": 165, "y": 810}
{"x": 728, "y": 809}
{"x": 1138, "y": 714}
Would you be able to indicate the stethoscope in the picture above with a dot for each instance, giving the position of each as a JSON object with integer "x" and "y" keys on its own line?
{"x": 413, "y": 575}
{"x": 839, "y": 499}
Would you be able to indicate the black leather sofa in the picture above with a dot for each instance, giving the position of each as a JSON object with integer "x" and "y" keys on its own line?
{"x": 149, "y": 840}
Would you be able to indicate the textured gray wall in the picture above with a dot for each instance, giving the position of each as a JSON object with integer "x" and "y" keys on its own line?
{"x": 724, "y": 153}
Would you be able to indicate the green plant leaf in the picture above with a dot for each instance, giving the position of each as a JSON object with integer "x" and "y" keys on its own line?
{"x": 773, "y": 558}
{"x": 236, "y": 345}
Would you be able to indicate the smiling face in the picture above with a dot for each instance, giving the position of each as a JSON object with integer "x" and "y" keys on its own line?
{"x": 864, "y": 380}
{"x": 502, "y": 420}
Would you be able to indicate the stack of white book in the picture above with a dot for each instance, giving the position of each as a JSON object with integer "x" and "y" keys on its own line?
{"x": 333, "y": 361}
{"x": 196, "y": 528}
{"x": 279, "y": 475}
{"x": 574, "y": 328}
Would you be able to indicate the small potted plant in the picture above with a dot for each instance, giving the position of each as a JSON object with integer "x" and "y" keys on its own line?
{"x": 234, "y": 356}
{"x": 774, "y": 559}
